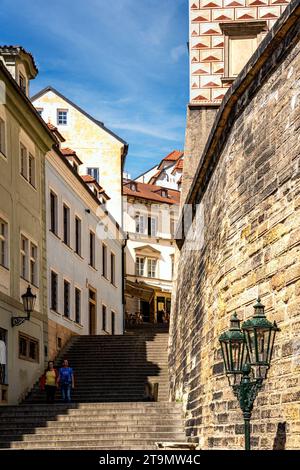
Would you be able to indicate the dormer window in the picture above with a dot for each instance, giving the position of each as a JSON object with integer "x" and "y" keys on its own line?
{"x": 133, "y": 186}
{"x": 94, "y": 172}
{"x": 164, "y": 193}
{"x": 40, "y": 111}
{"x": 22, "y": 83}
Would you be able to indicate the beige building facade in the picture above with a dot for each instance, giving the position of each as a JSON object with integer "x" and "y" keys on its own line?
{"x": 102, "y": 152}
{"x": 24, "y": 142}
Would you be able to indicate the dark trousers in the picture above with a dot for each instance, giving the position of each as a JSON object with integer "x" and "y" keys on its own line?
{"x": 2, "y": 374}
{"x": 66, "y": 392}
{"x": 50, "y": 393}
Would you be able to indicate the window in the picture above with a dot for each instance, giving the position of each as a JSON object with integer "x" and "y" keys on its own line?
{"x": 33, "y": 264}
{"x": 133, "y": 187}
{"x": 113, "y": 323}
{"x": 104, "y": 260}
{"x": 3, "y": 243}
{"x": 2, "y": 136}
{"x": 28, "y": 348}
{"x": 22, "y": 83}
{"x": 152, "y": 263}
{"x": 112, "y": 268}
{"x": 24, "y": 257}
{"x": 94, "y": 172}
{"x": 31, "y": 165}
{"x": 23, "y": 157}
{"x": 140, "y": 266}
{"x": 66, "y": 299}
{"x": 62, "y": 117}
{"x": 78, "y": 236}
{"x": 140, "y": 223}
{"x": 92, "y": 249}
{"x": 78, "y": 305}
{"x": 241, "y": 41}
{"x": 40, "y": 111}
{"x": 103, "y": 317}
{"x": 53, "y": 213}
{"x": 152, "y": 226}
{"x": 66, "y": 220}
{"x": 54, "y": 293}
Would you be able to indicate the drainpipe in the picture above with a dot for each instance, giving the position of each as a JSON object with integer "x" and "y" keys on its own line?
{"x": 124, "y": 244}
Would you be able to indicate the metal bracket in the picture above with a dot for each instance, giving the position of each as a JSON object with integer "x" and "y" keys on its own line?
{"x": 17, "y": 321}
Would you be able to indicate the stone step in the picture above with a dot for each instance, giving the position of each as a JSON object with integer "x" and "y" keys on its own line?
{"x": 63, "y": 444}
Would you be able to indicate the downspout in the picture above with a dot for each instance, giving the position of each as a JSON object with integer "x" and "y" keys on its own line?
{"x": 124, "y": 244}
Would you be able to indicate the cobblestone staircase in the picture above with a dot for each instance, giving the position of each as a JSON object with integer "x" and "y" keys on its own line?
{"x": 109, "y": 409}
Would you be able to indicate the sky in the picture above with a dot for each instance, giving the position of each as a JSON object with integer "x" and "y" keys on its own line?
{"x": 123, "y": 61}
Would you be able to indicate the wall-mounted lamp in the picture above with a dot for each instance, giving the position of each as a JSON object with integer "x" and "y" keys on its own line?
{"x": 28, "y": 300}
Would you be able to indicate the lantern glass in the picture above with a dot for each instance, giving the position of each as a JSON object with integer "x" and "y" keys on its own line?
{"x": 28, "y": 301}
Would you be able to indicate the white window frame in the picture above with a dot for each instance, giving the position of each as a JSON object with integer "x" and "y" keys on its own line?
{"x": 150, "y": 270}
{"x": 31, "y": 170}
{"x": 68, "y": 227}
{"x": 24, "y": 251}
{"x": 52, "y": 271}
{"x": 4, "y": 243}
{"x": 92, "y": 252}
{"x": 23, "y": 161}
{"x": 66, "y": 111}
{"x": 153, "y": 226}
{"x": 33, "y": 264}
{"x": 77, "y": 289}
{"x": 78, "y": 239}
{"x": 140, "y": 225}
{"x": 55, "y": 222}
{"x": 140, "y": 266}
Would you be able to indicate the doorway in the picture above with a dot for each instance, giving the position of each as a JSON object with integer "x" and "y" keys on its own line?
{"x": 3, "y": 356}
{"x": 92, "y": 312}
{"x": 113, "y": 323}
{"x": 145, "y": 311}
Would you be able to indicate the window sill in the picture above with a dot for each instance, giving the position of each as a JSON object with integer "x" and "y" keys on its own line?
{"x": 3, "y": 156}
{"x": 28, "y": 359}
{"x": 54, "y": 234}
{"x": 106, "y": 278}
{"x": 67, "y": 246}
{"x": 79, "y": 256}
{"x": 28, "y": 182}
{"x": 4, "y": 268}
{"x": 93, "y": 268}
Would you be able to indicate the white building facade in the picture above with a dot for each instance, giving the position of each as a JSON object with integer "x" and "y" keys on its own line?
{"x": 85, "y": 281}
{"x": 150, "y": 220}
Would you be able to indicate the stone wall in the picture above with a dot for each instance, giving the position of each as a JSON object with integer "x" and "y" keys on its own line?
{"x": 199, "y": 123}
{"x": 247, "y": 244}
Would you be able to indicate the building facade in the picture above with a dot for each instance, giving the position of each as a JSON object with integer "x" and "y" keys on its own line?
{"x": 84, "y": 253}
{"x": 168, "y": 174}
{"x": 149, "y": 220}
{"x": 242, "y": 243}
{"x": 103, "y": 153}
{"x": 24, "y": 142}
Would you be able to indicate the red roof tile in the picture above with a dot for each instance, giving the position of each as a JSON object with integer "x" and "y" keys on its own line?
{"x": 174, "y": 156}
{"x": 178, "y": 166}
{"x": 88, "y": 179}
{"x": 151, "y": 192}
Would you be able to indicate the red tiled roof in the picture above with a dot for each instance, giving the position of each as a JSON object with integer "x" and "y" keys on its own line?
{"x": 67, "y": 152}
{"x": 151, "y": 192}
{"x": 173, "y": 156}
{"x": 178, "y": 166}
{"x": 88, "y": 179}
{"x": 56, "y": 132}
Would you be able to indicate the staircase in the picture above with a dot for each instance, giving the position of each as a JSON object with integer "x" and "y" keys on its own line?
{"x": 109, "y": 409}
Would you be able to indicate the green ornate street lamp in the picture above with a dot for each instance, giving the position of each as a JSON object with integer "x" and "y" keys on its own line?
{"x": 247, "y": 353}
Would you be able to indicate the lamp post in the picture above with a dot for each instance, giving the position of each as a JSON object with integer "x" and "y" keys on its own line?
{"x": 247, "y": 353}
{"x": 28, "y": 300}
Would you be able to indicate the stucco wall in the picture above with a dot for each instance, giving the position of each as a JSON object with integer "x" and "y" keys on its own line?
{"x": 247, "y": 243}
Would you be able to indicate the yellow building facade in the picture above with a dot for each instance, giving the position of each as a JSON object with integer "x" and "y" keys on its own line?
{"x": 24, "y": 142}
{"x": 102, "y": 152}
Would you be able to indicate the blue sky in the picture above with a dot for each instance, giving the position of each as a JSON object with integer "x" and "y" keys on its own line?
{"x": 124, "y": 61}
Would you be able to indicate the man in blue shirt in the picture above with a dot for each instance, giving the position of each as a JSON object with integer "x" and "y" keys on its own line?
{"x": 66, "y": 381}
